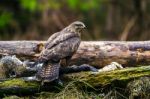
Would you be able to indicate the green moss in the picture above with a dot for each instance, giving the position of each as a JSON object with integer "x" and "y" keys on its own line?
{"x": 18, "y": 83}
{"x": 12, "y": 97}
{"x": 122, "y": 76}
{"x": 115, "y": 78}
{"x": 18, "y": 87}
{"x": 106, "y": 78}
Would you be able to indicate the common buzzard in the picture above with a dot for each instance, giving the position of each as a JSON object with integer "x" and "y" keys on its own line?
{"x": 61, "y": 45}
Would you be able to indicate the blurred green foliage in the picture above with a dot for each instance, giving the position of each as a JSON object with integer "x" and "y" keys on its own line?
{"x": 29, "y": 19}
{"x": 5, "y": 19}
{"x": 16, "y": 15}
{"x": 34, "y": 5}
{"x": 29, "y": 4}
{"x": 83, "y": 5}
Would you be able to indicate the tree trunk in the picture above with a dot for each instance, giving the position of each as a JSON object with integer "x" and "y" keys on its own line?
{"x": 116, "y": 78}
{"x": 95, "y": 53}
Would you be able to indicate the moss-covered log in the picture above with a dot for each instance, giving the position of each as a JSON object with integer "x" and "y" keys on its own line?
{"x": 115, "y": 78}
{"x": 107, "y": 78}
{"x": 95, "y": 53}
{"x": 18, "y": 86}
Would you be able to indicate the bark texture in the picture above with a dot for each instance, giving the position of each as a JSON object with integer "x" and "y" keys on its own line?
{"x": 96, "y": 53}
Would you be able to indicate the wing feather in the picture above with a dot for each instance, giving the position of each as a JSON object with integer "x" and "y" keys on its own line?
{"x": 51, "y": 38}
{"x": 60, "y": 38}
{"x": 61, "y": 48}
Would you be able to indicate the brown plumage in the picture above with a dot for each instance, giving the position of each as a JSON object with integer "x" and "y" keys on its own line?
{"x": 61, "y": 45}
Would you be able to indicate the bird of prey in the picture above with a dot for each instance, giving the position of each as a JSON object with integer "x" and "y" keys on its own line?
{"x": 61, "y": 45}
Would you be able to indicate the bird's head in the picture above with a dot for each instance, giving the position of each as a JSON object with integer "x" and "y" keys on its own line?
{"x": 76, "y": 27}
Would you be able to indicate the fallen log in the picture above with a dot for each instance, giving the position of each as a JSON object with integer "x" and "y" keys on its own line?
{"x": 96, "y": 53}
{"x": 100, "y": 80}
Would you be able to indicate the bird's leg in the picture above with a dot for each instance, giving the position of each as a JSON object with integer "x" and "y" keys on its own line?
{"x": 67, "y": 60}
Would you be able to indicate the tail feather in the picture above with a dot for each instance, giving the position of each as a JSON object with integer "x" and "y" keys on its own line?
{"x": 48, "y": 72}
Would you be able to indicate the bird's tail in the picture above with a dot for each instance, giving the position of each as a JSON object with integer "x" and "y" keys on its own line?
{"x": 48, "y": 72}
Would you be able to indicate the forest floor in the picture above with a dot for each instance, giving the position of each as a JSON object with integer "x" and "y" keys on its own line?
{"x": 80, "y": 89}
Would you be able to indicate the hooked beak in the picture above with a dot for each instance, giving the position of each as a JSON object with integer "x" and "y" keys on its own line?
{"x": 84, "y": 26}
